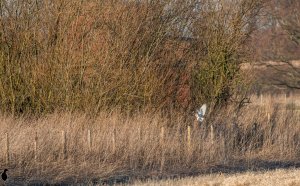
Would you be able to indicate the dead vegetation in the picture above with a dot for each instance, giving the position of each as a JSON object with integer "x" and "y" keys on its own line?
{"x": 74, "y": 148}
{"x": 91, "y": 55}
{"x": 93, "y": 90}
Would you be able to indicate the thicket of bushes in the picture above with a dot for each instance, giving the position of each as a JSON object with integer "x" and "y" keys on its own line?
{"x": 94, "y": 55}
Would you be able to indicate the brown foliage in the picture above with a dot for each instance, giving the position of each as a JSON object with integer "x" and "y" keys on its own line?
{"x": 90, "y": 55}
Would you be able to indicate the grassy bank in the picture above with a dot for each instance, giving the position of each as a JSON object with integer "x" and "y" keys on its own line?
{"x": 263, "y": 178}
{"x": 71, "y": 147}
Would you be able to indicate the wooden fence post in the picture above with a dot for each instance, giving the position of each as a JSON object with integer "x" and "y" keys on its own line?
{"x": 7, "y": 148}
{"x": 189, "y": 143}
{"x": 223, "y": 136}
{"x": 139, "y": 133}
{"x": 285, "y": 99}
{"x": 35, "y": 146}
{"x": 114, "y": 140}
{"x": 162, "y": 135}
{"x": 64, "y": 144}
{"x": 212, "y": 134}
{"x": 89, "y": 140}
{"x": 196, "y": 124}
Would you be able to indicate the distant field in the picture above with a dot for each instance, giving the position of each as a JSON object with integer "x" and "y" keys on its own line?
{"x": 288, "y": 100}
{"x": 275, "y": 77}
{"x": 265, "y": 178}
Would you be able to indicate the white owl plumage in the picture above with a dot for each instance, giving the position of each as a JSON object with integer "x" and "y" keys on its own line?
{"x": 200, "y": 113}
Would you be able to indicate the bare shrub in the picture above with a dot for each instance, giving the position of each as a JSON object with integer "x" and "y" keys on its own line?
{"x": 222, "y": 29}
{"x": 90, "y": 55}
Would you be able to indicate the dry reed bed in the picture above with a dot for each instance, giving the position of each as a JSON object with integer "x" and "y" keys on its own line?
{"x": 136, "y": 146}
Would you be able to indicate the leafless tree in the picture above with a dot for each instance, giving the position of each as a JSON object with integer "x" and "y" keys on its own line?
{"x": 288, "y": 18}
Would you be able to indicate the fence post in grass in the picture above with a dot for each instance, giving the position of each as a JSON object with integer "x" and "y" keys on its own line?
{"x": 285, "y": 99}
{"x": 114, "y": 140}
{"x": 162, "y": 135}
{"x": 212, "y": 135}
{"x": 269, "y": 118}
{"x": 189, "y": 141}
{"x": 89, "y": 140}
{"x": 139, "y": 133}
{"x": 223, "y": 136}
{"x": 35, "y": 146}
{"x": 7, "y": 148}
{"x": 64, "y": 144}
{"x": 261, "y": 99}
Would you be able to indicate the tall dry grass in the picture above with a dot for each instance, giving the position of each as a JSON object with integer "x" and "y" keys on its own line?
{"x": 135, "y": 146}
